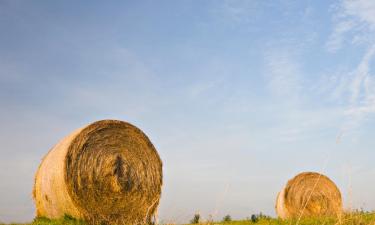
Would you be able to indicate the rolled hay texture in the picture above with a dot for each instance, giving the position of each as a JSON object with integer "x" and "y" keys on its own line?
{"x": 309, "y": 194}
{"x": 106, "y": 172}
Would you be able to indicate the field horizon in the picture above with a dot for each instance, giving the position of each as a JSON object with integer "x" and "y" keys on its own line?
{"x": 353, "y": 218}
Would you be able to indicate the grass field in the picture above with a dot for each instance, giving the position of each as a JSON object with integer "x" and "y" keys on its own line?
{"x": 349, "y": 219}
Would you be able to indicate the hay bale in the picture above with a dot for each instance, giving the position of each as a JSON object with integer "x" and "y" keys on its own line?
{"x": 108, "y": 171}
{"x": 309, "y": 195}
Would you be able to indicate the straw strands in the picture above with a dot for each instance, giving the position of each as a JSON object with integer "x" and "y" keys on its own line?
{"x": 309, "y": 194}
{"x": 108, "y": 171}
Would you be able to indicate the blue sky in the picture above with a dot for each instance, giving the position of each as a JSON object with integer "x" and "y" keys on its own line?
{"x": 237, "y": 96}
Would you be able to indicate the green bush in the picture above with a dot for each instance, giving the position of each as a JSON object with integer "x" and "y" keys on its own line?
{"x": 196, "y": 219}
{"x": 227, "y": 218}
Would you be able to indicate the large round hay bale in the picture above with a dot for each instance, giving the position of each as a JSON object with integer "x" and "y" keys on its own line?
{"x": 108, "y": 171}
{"x": 309, "y": 194}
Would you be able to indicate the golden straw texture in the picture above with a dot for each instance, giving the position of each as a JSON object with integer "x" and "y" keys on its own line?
{"x": 309, "y": 194}
{"x": 107, "y": 172}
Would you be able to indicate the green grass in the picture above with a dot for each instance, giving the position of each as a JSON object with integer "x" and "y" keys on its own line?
{"x": 66, "y": 220}
{"x": 349, "y": 219}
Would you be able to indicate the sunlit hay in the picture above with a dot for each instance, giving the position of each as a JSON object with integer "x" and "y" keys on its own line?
{"x": 107, "y": 172}
{"x": 309, "y": 195}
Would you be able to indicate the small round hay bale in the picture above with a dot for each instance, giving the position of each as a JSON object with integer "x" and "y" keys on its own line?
{"x": 309, "y": 194}
{"x": 108, "y": 171}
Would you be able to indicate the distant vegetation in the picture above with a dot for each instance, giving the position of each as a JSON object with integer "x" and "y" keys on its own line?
{"x": 66, "y": 220}
{"x": 358, "y": 218}
{"x": 196, "y": 219}
{"x": 227, "y": 218}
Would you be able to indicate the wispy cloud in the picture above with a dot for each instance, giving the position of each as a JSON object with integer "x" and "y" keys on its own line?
{"x": 283, "y": 74}
{"x": 289, "y": 86}
{"x": 336, "y": 39}
{"x": 238, "y": 11}
{"x": 361, "y": 75}
{"x": 354, "y": 23}
{"x": 361, "y": 10}
{"x": 355, "y": 20}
